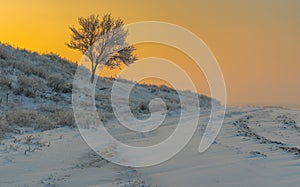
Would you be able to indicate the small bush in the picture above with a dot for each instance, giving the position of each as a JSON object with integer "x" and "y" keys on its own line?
{"x": 30, "y": 69}
{"x": 3, "y": 63}
{"x": 102, "y": 96}
{"x": 29, "y": 86}
{"x": 5, "y": 81}
{"x": 57, "y": 98}
{"x": 39, "y": 72}
{"x": 5, "y": 52}
{"x": 2, "y": 56}
{"x": 144, "y": 108}
{"x": 58, "y": 84}
{"x": 48, "y": 108}
{"x": 165, "y": 89}
{"x": 4, "y": 127}
{"x": 105, "y": 116}
{"x": 63, "y": 118}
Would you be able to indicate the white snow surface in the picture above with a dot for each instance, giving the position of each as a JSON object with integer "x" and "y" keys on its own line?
{"x": 255, "y": 147}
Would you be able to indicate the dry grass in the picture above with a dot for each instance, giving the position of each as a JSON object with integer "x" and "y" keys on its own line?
{"x": 37, "y": 120}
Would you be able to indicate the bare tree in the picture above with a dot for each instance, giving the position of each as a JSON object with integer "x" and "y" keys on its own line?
{"x": 102, "y": 41}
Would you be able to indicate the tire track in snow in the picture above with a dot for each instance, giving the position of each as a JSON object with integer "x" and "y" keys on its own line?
{"x": 244, "y": 130}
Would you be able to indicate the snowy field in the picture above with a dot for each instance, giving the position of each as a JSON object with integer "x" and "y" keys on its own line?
{"x": 255, "y": 147}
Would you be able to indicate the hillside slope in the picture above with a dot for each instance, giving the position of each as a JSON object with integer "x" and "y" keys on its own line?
{"x": 36, "y": 92}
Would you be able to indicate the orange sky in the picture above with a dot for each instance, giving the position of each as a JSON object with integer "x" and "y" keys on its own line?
{"x": 256, "y": 42}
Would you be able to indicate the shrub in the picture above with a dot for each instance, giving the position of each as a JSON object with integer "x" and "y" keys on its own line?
{"x": 3, "y": 62}
{"x": 2, "y": 55}
{"x": 105, "y": 116}
{"x": 4, "y": 127}
{"x": 58, "y": 84}
{"x": 38, "y": 72}
{"x": 57, "y": 98}
{"x": 48, "y": 108}
{"x": 63, "y": 118}
{"x": 29, "y": 86}
{"x": 5, "y": 81}
{"x": 5, "y": 52}
{"x": 31, "y": 69}
{"x": 144, "y": 108}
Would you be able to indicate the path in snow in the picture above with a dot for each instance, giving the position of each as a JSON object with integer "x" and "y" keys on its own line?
{"x": 255, "y": 147}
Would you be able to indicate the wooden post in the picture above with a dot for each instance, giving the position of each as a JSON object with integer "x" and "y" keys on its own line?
{"x": 7, "y": 98}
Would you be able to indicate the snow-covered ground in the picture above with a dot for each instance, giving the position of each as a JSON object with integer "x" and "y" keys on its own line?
{"x": 255, "y": 147}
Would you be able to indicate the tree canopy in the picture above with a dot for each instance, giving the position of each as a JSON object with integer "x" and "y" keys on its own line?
{"x": 103, "y": 41}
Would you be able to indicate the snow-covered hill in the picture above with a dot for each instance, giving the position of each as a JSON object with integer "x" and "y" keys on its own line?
{"x": 36, "y": 92}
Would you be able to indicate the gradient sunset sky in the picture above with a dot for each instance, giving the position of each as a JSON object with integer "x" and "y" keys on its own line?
{"x": 256, "y": 42}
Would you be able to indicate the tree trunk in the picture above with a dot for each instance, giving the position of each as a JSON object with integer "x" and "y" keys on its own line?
{"x": 93, "y": 76}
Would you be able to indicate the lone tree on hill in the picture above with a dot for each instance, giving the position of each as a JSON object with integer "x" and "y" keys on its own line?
{"x": 102, "y": 41}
